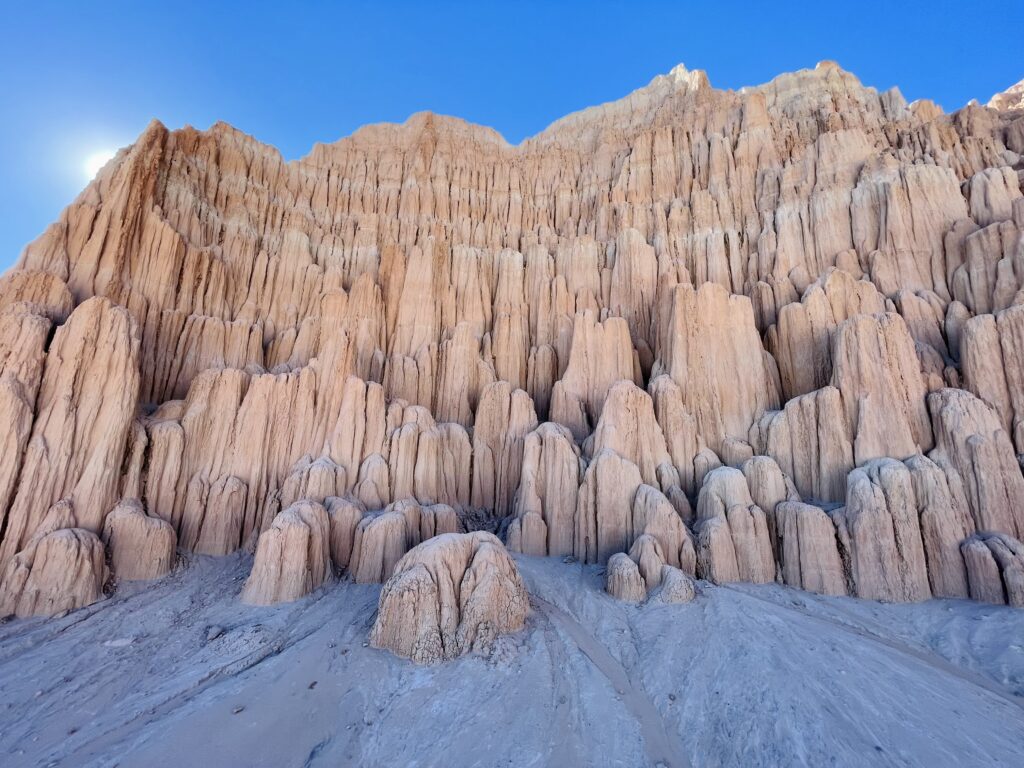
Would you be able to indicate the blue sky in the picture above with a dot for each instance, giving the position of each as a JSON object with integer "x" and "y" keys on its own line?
{"x": 76, "y": 78}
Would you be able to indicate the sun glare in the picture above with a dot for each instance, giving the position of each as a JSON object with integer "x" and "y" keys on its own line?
{"x": 95, "y": 161}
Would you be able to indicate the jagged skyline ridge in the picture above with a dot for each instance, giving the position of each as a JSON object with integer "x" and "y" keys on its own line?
{"x": 91, "y": 78}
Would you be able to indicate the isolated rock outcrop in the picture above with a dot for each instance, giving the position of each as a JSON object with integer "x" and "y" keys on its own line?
{"x": 635, "y": 576}
{"x": 293, "y": 556}
{"x": 451, "y": 595}
{"x": 676, "y": 586}
{"x": 623, "y": 580}
{"x": 140, "y": 546}
{"x": 60, "y": 569}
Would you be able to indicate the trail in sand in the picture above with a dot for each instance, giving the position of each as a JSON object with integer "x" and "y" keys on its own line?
{"x": 661, "y": 746}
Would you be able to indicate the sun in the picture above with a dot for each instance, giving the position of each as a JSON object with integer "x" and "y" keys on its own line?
{"x": 96, "y": 160}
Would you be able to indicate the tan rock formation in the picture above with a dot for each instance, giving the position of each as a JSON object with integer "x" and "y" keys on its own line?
{"x": 808, "y": 550}
{"x": 623, "y": 580}
{"x": 451, "y": 595}
{"x": 603, "y": 523}
{"x": 975, "y": 452}
{"x": 800, "y": 272}
{"x": 379, "y": 543}
{"x": 880, "y": 534}
{"x": 293, "y": 556}
{"x": 709, "y": 345}
{"x": 680, "y": 430}
{"x": 60, "y": 569}
{"x": 545, "y": 503}
{"x": 646, "y": 552}
{"x": 769, "y": 486}
{"x": 344, "y": 515}
{"x": 140, "y": 546}
{"x": 39, "y": 290}
{"x": 504, "y": 418}
{"x": 313, "y": 480}
{"x": 84, "y": 410}
{"x": 1011, "y": 98}
{"x": 877, "y": 372}
{"x": 676, "y": 586}
{"x": 23, "y": 336}
{"x": 601, "y": 354}
{"x": 945, "y": 522}
{"x": 380, "y": 539}
{"x": 656, "y": 517}
{"x": 628, "y": 427}
{"x": 992, "y": 356}
{"x": 801, "y": 341}
{"x": 811, "y": 441}
{"x": 995, "y": 568}
{"x": 733, "y": 539}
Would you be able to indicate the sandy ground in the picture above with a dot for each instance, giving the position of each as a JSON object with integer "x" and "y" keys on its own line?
{"x": 179, "y": 673}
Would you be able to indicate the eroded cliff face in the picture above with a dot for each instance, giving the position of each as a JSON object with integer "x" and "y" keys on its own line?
{"x": 421, "y": 329}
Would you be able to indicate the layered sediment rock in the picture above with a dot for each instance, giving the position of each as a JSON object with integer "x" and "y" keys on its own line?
{"x": 731, "y": 300}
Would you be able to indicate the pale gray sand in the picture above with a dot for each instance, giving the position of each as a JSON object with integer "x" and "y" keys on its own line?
{"x": 744, "y": 676}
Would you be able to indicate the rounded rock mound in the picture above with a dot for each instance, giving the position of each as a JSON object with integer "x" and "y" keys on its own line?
{"x": 451, "y": 595}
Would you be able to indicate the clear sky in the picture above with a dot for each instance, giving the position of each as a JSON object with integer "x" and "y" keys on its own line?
{"x": 78, "y": 78}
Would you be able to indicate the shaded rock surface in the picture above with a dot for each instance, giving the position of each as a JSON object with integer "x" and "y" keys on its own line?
{"x": 140, "y": 546}
{"x": 995, "y": 568}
